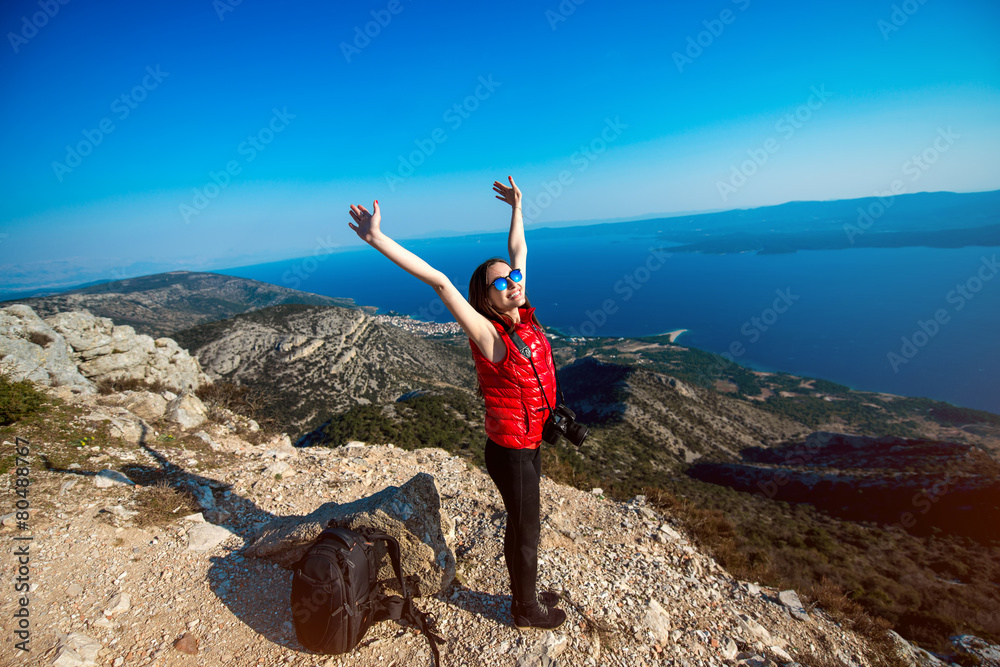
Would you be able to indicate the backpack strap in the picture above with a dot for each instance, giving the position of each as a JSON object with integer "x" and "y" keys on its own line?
{"x": 395, "y": 607}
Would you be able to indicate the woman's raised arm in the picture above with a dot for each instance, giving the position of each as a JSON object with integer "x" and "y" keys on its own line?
{"x": 516, "y": 245}
{"x": 368, "y": 227}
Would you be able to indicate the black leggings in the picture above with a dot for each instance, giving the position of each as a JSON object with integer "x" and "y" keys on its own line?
{"x": 516, "y": 472}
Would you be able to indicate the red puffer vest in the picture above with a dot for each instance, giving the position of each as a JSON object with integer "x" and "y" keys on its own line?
{"x": 515, "y": 408}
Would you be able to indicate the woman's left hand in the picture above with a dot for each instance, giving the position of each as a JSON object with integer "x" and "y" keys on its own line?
{"x": 511, "y": 195}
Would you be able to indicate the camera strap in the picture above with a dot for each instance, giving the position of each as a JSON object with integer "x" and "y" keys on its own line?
{"x": 525, "y": 351}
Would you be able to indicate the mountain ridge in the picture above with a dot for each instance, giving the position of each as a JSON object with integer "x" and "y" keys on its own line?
{"x": 162, "y": 303}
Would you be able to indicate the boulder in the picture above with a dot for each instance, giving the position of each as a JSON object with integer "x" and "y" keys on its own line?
{"x": 120, "y": 360}
{"x": 980, "y": 650}
{"x": 280, "y": 448}
{"x": 32, "y": 350}
{"x": 791, "y": 601}
{"x": 207, "y": 536}
{"x": 123, "y": 424}
{"x": 171, "y": 364}
{"x": 186, "y": 410}
{"x": 83, "y": 331}
{"x": 411, "y": 513}
{"x": 913, "y": 656}
{"x": 76, "y": 350}
{"x": 147, "y": 405}
{"x": 103, "y": 351}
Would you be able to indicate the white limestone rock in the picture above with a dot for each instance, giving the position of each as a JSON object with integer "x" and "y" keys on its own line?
{"x": 143, "y": 404}
{"x": 657, "y": 620}
{"x": 108, "y": 478}
{"x": 986, "y": 653}
{"x": 33, "y": 350}
{"x": 279, "y": 468}
{"x": 206, "y": 536}
{"x": 119, "y": 604}
{"x": 186, "y": 410}
{"x": 791, "y": 600}
{"x": 77, "y": 650}
{"x": 106, "y": 351}
{"x": 411, "y": 513}
{"x": 753, "y": 629}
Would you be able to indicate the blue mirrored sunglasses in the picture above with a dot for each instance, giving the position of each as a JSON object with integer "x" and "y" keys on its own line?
{"x": 501, "y": 283}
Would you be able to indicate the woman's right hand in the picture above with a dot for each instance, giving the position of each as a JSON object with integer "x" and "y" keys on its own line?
{"x": 368, "y": 223}
{"x": 511, "y": 195}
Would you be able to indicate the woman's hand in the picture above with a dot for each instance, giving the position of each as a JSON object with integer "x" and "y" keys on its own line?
{"x": 511, "y": 195}
{"x": 368, "y": 223}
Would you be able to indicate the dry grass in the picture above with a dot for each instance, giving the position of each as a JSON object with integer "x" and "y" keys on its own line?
{"x": 40, "y": 338}
{"x": 715, "y": 534}
{"x": 850, "y": 614}
{"x": 241, "y": 400}
{"x": 162, "y": 504}
{"x": 115, "y": 385}
{"x": 234, "y": 397}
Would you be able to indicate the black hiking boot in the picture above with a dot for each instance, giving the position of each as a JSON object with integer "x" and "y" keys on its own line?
{"x": 536, "y": 615}
{"x": 549, "y": 598}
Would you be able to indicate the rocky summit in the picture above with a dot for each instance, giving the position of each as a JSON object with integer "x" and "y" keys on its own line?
{"x": 111, "y": 589}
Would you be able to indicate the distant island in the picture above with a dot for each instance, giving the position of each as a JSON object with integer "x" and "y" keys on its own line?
{"x": 926, "y": 219}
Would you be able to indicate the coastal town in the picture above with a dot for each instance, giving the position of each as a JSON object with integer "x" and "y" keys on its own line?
{"x": 420, "y": 327}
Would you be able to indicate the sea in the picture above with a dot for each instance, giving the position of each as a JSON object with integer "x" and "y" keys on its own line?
{"x": 922, "y": 322}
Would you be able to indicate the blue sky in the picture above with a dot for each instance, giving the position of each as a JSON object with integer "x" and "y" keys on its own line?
{"x": 641, "y": 109}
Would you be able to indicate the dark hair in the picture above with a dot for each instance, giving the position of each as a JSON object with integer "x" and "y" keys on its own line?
{"x": 479, "y": 295}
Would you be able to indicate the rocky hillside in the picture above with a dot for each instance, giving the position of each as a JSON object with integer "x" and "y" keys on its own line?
{"x": 670, "y": 421}
{"x": 927, "y": 486}
{"x": 314, "y": 361}
{"x": 138, "y": 557}
{"x": 161, "y": 304}
{"x": 813, "y": 403}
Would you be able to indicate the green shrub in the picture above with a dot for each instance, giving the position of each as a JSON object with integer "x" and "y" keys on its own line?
{"x": 18, "y": 399}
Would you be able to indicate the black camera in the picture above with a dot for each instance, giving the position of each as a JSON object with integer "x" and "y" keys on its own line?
{"x": 562, "y": 422}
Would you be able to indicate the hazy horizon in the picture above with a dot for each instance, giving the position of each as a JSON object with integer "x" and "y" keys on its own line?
{"x": 41, "y": 286}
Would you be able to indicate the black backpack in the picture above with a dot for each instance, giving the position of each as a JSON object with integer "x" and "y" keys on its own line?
{"x": 335, "y": 595}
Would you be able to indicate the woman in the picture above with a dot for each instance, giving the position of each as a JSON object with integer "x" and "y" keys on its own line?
{"x": 518, "y": 392}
